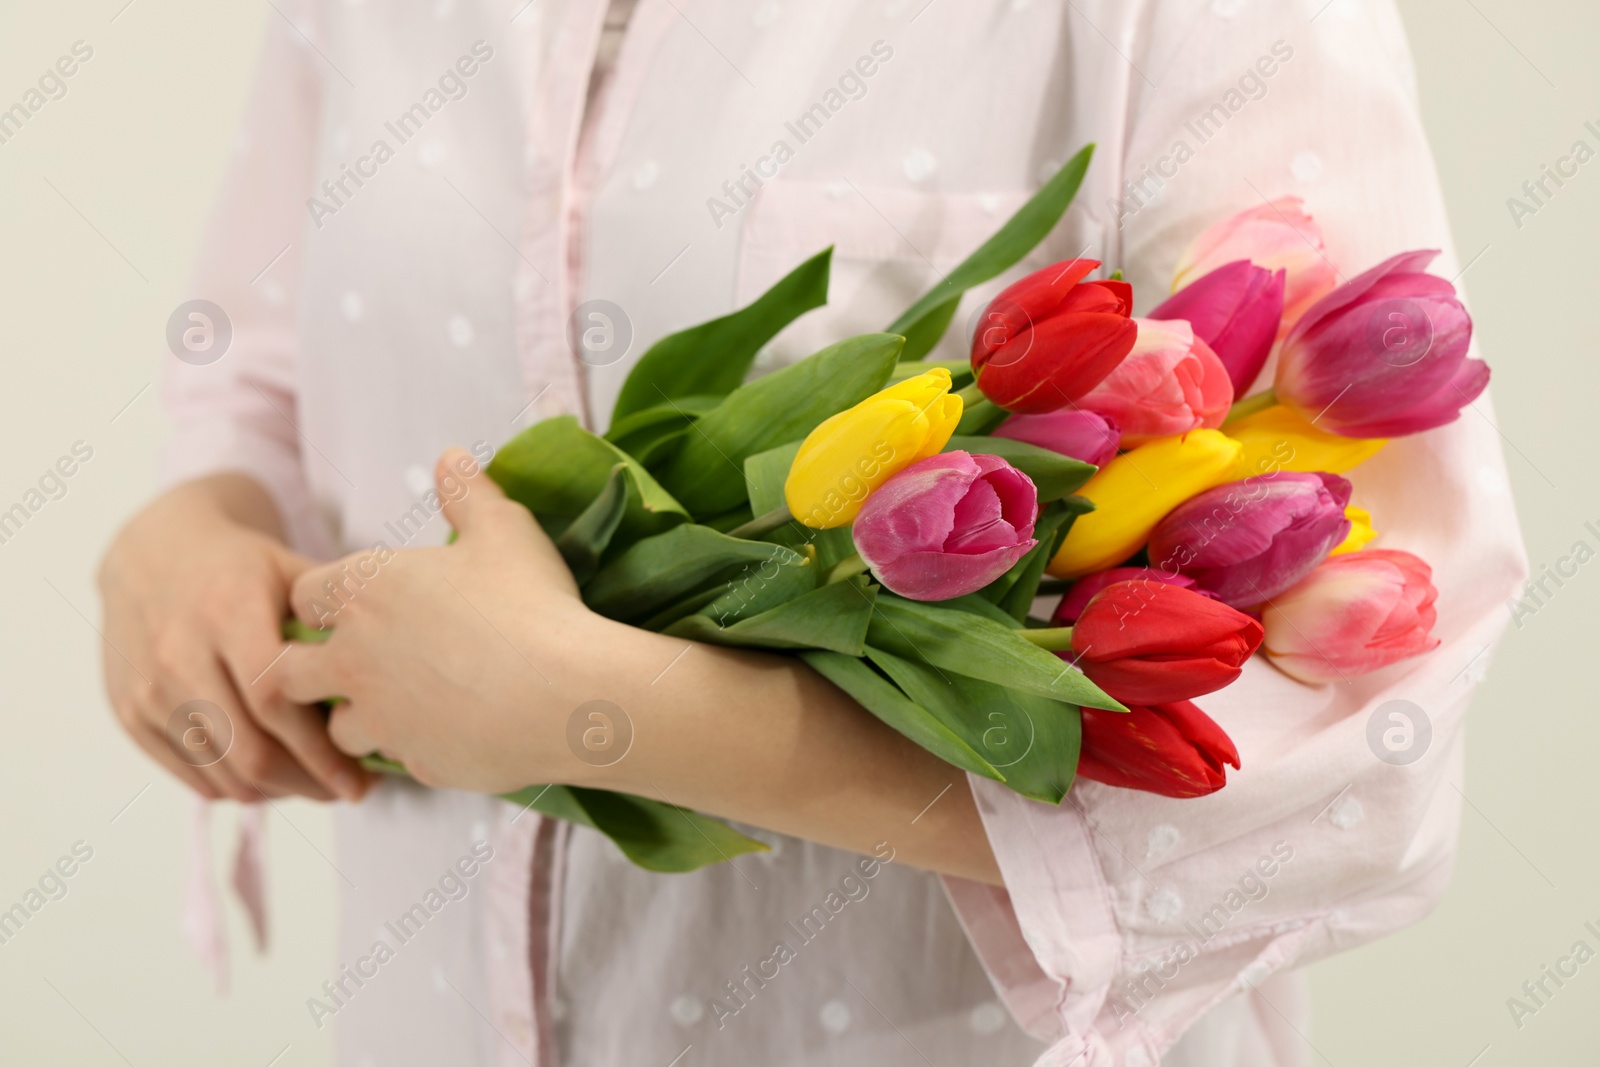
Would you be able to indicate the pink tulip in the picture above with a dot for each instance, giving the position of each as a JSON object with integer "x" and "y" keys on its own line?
{"x": 947, "y": 525}
{"x": 1084, "y": 589}
{"x": 1383, "y": 355}
{"x": 1277, "y": 236}
{"x": 1354, "y": 614}
{"x": 1236, "y": 310}
{"x": 1170, "y": 383}
{"x": 1249, "y": 540}
{"x": 1086, "y": 436}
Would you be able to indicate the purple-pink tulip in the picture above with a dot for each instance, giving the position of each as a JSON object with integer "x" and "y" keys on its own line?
{"x": 947, "y": 525}
{"x": 1383, "y": 355}
{"x": 1236, "y": 310}
{"x": 1248, "y": 541}
{"x": 1087, "y": 436}
{"x": 1084, "y": 589}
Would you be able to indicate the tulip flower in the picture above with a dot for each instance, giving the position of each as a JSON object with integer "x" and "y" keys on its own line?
{"x": 1248, "y": 541}
{"x": 1052, "y": 337}
{"x": 1361, "y": 531}
{"x": 1277, "y": 439}
{"x": 1236, "y": 310}
{"x": 1171, "y": 382}
{"x": 1132, "y": 493}
{"x": 1152, "y": 643}
{"x": 1278, "y": 236}
{"x": 857, "y": 450}
{"x": 1384, "y": 354}
{"x": 1174, "y": 750}
{"x": 1087, "y": 436}
{"x": 947, "y": 526}
{"x": 1072, "y": 604}
{"x": 1354, "y": 614}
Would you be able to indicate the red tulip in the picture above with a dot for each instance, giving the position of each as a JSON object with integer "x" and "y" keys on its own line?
{"x": 1170, "y": 383}
{"x": 1236, "y": 310}
{"x": 1052, "y": 337}
{"x": 1174, "y": 749}
{"x": 1354, "y": 614}
{"x": 1085, "y": 588}
{"x": 1150, "y": 643}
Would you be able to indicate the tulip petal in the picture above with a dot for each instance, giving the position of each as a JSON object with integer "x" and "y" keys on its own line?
{"x": 945, "y": 575}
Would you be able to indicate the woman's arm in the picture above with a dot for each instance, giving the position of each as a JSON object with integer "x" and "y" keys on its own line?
{"x": 467, "y": 663}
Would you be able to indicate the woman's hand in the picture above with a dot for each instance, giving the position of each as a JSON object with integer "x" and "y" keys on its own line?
{"x": 460, "y": 662}
{"x": 467, "y": 663}
{"x": 195, "y": 590}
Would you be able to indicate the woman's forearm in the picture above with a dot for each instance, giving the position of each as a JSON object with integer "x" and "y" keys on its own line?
{"x": 761, "y": 739}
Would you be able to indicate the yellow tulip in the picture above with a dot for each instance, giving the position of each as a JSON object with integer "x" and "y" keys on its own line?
{"x": 1361, "y": 531}
{"x": 1277, "y": 439}
{"x": 857, "y": 450}
{"x": 1135, "y": 490}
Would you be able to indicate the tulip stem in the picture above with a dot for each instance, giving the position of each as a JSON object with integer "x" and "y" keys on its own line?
{"x": 1051, "y": 639}
{"x": 1250, "y": 405}
{"x": 970, "y": 394}
{"x": 763, "y": 523}
{"x": 848, "y": 567}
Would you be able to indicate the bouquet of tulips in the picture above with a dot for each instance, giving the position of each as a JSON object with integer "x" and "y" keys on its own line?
{"x": 894, "y": 521}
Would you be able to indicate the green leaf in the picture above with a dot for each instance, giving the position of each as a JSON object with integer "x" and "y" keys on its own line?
{"x": 713, "y": 358}
{"x": 1030, "y": 739}
{"x": 756, "y": 589}
{"x": 980, "y": 417}
{"x": 879, "y": 696}
{"x": 924, "y": 322}
{"x": 556, "y": 468}
{"x": 764, "y": 475}
{"x": 585, "y": 539}
{"x": 651, "y": 435}
{"x": 659, "y": 570}
{"x": 707, "y": 474}
{"x": 966, "y": 642}
{"x": 1053, "y": 474}
{"x": 834, "y": 617}
{"x": 1015, "y": 590}
{"x": 656, "y": 836}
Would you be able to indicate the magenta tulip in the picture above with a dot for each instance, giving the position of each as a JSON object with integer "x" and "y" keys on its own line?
{"x": 1383, "y": 355}
{"x": 1087, "y": 436}
{"x": 1248, "y": 541}
{"x": 1236, "y": 310}
{"x": 1084, "y": 589}
{"x": 947, "y": 525}
{"x": 1353, "y": 614}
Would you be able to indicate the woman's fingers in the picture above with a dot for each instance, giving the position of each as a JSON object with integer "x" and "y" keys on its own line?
{"x": 254, "y": 654}
{"x": 210, "y": 728}
{"x": 346, "y": 729}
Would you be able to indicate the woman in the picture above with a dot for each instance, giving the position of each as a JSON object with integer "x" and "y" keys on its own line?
{"x": 448, "y": 220}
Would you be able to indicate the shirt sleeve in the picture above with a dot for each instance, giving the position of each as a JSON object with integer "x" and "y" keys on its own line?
{"x": 1125, "y": 916}
{"x": 237, "y": 411}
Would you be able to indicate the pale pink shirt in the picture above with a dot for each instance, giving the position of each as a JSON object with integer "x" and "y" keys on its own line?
{"x": 428, "y": 305}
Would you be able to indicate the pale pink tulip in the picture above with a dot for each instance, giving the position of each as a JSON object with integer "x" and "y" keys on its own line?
{"x": 1351, "y": 615}
{"x": 1278, "y": 236}
{"x": 1170, "y": 383}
